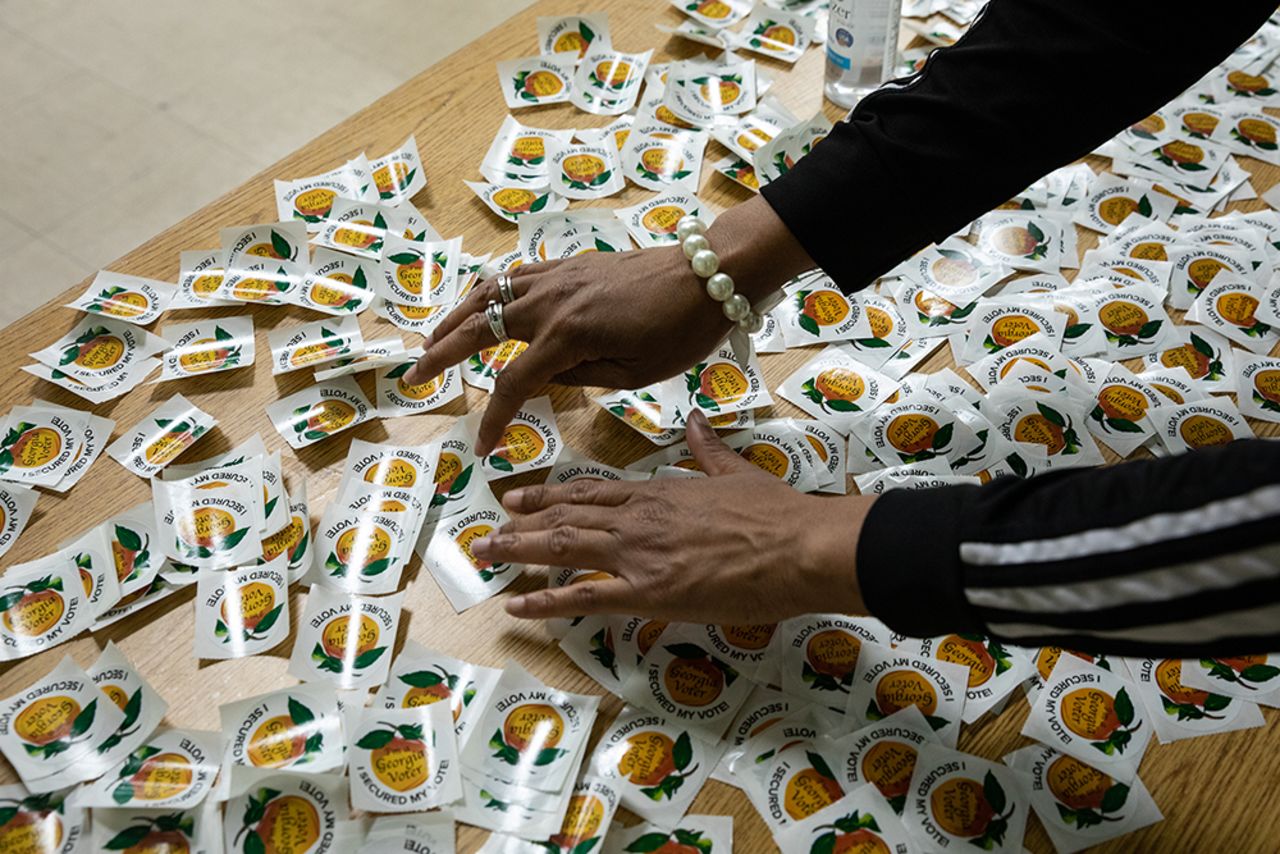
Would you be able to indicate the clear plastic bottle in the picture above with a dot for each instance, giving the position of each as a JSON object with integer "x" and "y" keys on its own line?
{"x": 862, "y": 47}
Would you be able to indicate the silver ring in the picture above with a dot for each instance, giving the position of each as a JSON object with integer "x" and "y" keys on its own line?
{"x": 505, "y": 290}
{"x": 498, "y": 326}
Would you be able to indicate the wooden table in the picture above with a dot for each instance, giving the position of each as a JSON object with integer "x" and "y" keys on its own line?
{"x": 1209, "y": 788}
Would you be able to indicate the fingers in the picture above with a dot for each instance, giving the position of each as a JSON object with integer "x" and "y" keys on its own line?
{"x": 516, "y": 384}
{"x": 576, "y": 600}
{"x": 467, "y": 326}
{"x": 474, "y": 334}
{"x": 711, "y": 453}
{"x": 530, "y": 499}
{"x": 561, "y": 516}
{"x": 565, "y": 546}
{"x": 482, "y": 295}
{"x": 470, "y": 336}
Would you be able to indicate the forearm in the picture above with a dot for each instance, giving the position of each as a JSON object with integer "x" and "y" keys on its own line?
{"x": 1034, "y": 85}
{"x": 1177, "y": 557}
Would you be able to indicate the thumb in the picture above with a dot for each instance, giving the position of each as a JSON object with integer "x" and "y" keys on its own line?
{"x": 710, "y": 452}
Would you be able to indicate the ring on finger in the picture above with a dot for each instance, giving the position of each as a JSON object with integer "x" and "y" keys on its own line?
{"x": 497, "y": 325}
{"x": 505, "y": 290}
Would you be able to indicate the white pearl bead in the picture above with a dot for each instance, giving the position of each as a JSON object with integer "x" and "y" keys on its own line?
{"x": 752, "y": 323}
{"x": 689, "y": 226}
{"x": 736, "y": 307}
{"x": 720, "y": 287}
{"x": 693, "y": 244}
{"x": 705, "y": 262}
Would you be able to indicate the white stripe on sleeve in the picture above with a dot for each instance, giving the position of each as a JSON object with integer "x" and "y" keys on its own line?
{"x": 1154, "y": 585}
{"x": 1252, "y": 506}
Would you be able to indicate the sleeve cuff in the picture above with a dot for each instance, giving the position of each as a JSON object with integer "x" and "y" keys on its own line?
{"x": 909, "y": 567}
{"x": 827, "y": 226}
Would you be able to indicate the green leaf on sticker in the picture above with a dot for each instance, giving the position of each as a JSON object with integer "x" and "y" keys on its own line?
{"x": 376, "y": 739}
{"x": 682, "y": 751}
{"x": 686, "y": 650}
{"x": 281, "y": 246}
{"x": 268, "y": 620}
{"x": 1115, "y": 797}
{"x": 647, "y": 843}
{"x": 299, "y": 713}
{"x": 84, "y": 720}
{"x": 128, "y": 538}
{"x": 1051, "y": 415}
{"x": 1124, "y": 707}
{"x": 548, "y": 755}
{"x": 132, "y": 709}
{"x": 366, "y": 659}
{"x": 232, "y": 540}
{"x": 942, "y": 438}
{"x": 993, "y": 792}
{"x": 422, "y": 679}
{"x": 1259, "y": 673}
{"x": 937, "y": 723}
{"x": 376, "y": 567}
{"x": 130, "y": 837}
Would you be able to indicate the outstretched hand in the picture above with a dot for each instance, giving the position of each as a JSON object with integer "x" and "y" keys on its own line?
{"x": 618, "y": 320}
{"x": 739, "y": 546}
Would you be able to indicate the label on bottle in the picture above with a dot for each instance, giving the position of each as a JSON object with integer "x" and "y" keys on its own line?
{"x": 863, "y": 36}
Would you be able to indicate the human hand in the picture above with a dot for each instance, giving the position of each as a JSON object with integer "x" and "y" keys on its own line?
{"x": 737, "y": 547}
{"x": 618, "y": 320}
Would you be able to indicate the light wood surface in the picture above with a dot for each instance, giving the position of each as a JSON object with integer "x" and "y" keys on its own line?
{"x": 1211, "y": 789}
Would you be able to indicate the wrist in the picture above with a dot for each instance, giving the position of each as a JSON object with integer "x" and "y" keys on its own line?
{"x": 829, "y": 552}
{"x": 757, "y": 249}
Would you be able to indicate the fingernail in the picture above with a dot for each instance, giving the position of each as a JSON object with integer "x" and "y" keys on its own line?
{"x": 515, "y": 605}
{"x": 698, "y": 420}
{"x": 481, "y": 546}
{"x": 428, "y": 340}
{"x": 513, "y": 497}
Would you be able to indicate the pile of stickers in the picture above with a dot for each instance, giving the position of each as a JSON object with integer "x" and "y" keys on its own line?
{"x": 666, "y": 114}
{"x": 842, "y": 734}
{"x": 371, "y": 248}
{"x": 231, "y": 514}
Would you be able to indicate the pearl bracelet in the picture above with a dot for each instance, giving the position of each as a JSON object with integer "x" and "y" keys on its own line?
{"x": 706, "y": 265}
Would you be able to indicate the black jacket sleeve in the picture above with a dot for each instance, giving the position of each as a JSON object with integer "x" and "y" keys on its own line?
{"x": 1033, "y": 85}
{"x": 1175, "y": 557}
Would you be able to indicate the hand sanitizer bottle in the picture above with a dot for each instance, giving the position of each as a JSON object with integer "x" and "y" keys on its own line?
{"x": 862, "y": 47}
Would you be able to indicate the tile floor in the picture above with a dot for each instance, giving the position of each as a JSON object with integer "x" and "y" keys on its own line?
{"x": 146, "y": 102}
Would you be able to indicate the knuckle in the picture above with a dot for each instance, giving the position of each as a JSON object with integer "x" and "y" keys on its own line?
{"x": 586, "y": 595}
{"x": 565, "y": 287}
{"x": 533, "y": 497}
{"x": 475, "y": 326}
{"x": 562, "y": 540}
{"x": 557, "y": 516}
{"x": 653, "y": 511}
{"x": 546, "y": 601}
{"x": 582, "y": 491}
